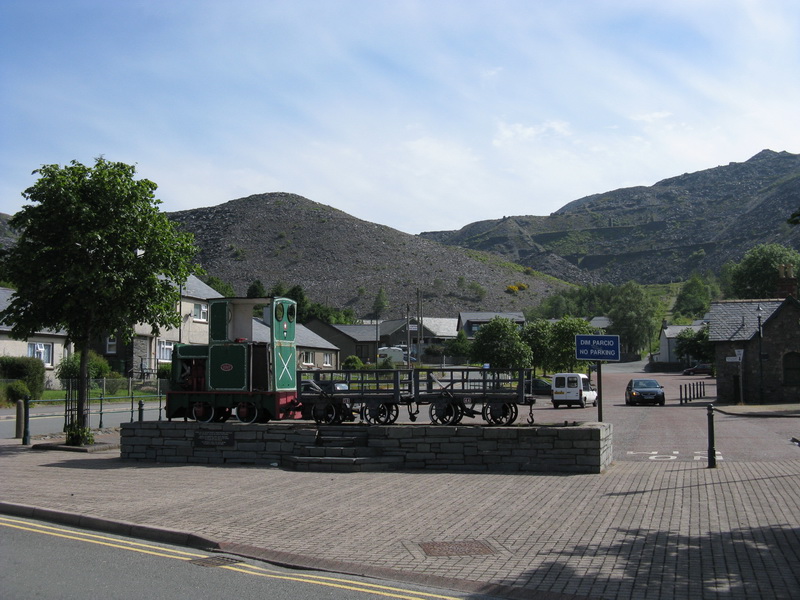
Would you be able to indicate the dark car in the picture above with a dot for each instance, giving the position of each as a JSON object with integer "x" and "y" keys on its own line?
{"x": 538, "y": 387}
{"x": 641, "y": 391}
{"x": 698, "y": 369}
{"x": 327, "y": 388}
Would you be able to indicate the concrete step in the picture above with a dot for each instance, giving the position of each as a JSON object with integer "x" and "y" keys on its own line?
{"x": 337, "y": 464}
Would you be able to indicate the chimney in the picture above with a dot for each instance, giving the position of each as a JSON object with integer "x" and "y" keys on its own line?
{"x": 787, "y": 282}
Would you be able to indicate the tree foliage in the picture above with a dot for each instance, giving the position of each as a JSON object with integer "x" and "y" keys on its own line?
{"x": 757, "y": 275}
{"x": 633, "y": 317}
{"x": 561, "y": 356}
{"x": 459, "y": 346}
{"x": 694, "y": 298}
{"x": 537, "y": 335}
{"x": 219, "y": 286}
{"x": 500, "y": 344}
{"x": 691, "y": 344}
{"x": 94, "y": 255}
{"x": 256, "y": 289}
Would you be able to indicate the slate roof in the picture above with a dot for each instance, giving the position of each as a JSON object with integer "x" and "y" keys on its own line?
{"x": 441, "y": 327}
{"x": 467, "y": 317}
{"x": 5, "y": 300}
{"x": 673, "y": 331}
{"x": 303, "y": 337}
{"x": 194, "y": 288}
{"x": 359, "y": 333}
{"x": 737, "y": 320}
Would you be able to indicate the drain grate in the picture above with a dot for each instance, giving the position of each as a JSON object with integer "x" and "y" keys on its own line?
{"x": 465, "y": 548}
{"x": 214, "y": 561}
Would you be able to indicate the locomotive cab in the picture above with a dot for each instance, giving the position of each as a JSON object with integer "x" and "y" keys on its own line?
{"x": 248, "y": 366}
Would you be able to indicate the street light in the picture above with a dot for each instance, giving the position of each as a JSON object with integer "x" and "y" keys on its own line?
{"x": 759, "y": 310}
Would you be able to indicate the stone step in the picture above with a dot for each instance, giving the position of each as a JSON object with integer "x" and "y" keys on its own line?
{"x": 339, "y": 451}
{"x": 337, "y": 464}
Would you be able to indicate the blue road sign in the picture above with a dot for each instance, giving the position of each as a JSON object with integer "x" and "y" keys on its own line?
{"x": 597, "y": 347}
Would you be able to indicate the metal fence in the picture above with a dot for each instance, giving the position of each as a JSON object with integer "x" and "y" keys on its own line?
{"x": 105, "y": 396}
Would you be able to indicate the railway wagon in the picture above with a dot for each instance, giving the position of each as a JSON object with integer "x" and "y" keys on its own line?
{"x": 242, "y": 370}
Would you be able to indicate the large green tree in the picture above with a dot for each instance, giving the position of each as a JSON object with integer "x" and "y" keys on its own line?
{"x": 757, "y": 275}
{"x": 634, "y": 317}
{"x": 536, "y": 334}
{"x": 561, "y": 356}
{"x": 94, "y": 255}
{"x": 694, "y": 298}
{"x": 500, "y": 344}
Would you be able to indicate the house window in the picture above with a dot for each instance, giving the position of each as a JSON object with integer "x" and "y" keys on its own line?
{"x": 111, "y": 345}
{"x": 200, "y": 312}
{"x": 307, "y": 358}
{"x": 791, "y": 369}
{"x": 327, "y": 359}
{"x": 43, "y": 352}
{"x": 164, "y": 350}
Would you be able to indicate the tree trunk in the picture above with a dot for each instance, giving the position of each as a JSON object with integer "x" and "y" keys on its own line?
{"x": 83, "y": 385}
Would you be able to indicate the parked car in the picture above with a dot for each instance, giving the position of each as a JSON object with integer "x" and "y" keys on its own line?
{"x": 698, "y": 369}
{"x": 327, "y": 387}
{"x": 572, "y": 388}
{"x": 538, "y": 387}
{"x": 640, "y": 391}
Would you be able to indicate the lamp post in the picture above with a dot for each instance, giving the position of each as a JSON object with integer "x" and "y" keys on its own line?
{"x": 759, "y": 310}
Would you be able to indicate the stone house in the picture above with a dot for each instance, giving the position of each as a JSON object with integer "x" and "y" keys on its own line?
{"x": 470, "y": 322}
{"x": 757, "y": 350}
{"x": 351, "y": 340}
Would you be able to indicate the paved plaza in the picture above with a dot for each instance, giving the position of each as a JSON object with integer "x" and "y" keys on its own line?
{"x": 643, "y": 529}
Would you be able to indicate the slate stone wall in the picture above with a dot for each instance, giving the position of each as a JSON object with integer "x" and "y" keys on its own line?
{"x": 581, "y": 448}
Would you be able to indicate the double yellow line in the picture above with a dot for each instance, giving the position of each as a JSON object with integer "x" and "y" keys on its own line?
{"x": 247, "y": 569}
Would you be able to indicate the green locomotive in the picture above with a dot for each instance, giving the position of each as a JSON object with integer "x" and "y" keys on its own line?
{"x": 243, "y": 370}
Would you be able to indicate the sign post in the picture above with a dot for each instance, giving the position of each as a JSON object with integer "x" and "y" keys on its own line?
{"x": 598, "y": 348}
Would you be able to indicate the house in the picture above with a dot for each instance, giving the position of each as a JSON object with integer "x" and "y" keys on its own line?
{"x": 757, "y": 350}
{"x": 470, "y": 322}
{"x": 48, "y": 345}
{"x": 403, "y": 332}
{"x": 143, "y": 355}
{"x": 352, "y": 340}
{"x": 668, "y": 342}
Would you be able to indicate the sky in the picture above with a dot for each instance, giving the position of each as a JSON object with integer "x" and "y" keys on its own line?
{"x": 420, "y": 115}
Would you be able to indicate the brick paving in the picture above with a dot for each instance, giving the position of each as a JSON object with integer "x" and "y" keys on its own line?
{"x": 642, "y": 530}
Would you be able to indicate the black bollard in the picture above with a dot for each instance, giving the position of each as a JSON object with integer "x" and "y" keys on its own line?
{"x": 26, "y": 432}
{"x": 712, "y": 451}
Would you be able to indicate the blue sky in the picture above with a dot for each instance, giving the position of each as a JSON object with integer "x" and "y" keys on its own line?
{"x": 419, "y": 115}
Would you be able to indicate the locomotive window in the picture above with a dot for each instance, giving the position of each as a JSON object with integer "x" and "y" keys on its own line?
{"x": 291, "y": 314}
{"x": 279, "y": 312}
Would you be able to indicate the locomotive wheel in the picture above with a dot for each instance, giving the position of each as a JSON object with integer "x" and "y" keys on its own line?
{"x": 500, "y": 414}
{"x": 326, "y": 414}
{"x": 247, "y": 412}
{"x": 202, "y": 412}
{"x": 443, "y": 414}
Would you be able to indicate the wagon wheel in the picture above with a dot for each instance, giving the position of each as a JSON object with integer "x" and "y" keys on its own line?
{"x": 247, "y": 412}
{"x": 392, "y": 411}
{"x": 222, "y": 414}
{"x": 202, "y": 412}
{"x": 442, "y": 413}
{"x": 500, "y": 414}
{"x": 326, "y": 414}
{"x": 370, "y": 414}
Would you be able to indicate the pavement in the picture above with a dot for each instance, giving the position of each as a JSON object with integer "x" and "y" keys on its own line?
{"x": 641, "y": 530}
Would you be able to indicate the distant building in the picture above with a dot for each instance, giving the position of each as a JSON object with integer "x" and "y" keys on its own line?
{"x": 766, "y": 335}
{"x": 470, "y": 322}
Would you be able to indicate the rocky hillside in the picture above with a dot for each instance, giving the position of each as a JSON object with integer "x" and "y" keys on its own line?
{"x": 657, "y": 234}
{"x": 697, "y": 221}
{"x": 342, "y": 261}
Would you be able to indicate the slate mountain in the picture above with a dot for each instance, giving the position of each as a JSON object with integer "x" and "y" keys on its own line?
{"x": 656, "y": 234}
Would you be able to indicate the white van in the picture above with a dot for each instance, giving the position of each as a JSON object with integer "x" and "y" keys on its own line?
{"x": 394, "y": 354}
{"x": 573, "y": 388}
